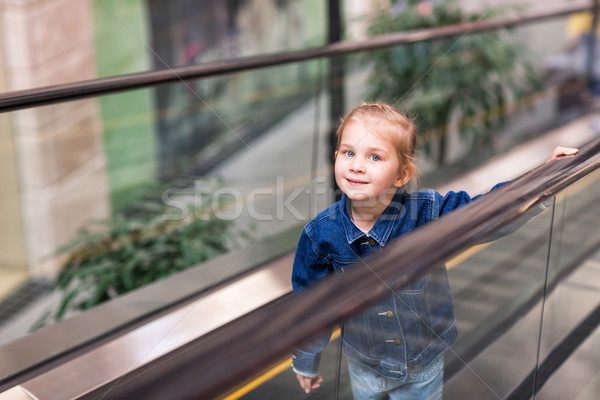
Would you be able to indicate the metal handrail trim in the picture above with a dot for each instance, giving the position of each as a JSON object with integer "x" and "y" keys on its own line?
{"x": 17, "y": 100}
{"x": 259, "y": 340}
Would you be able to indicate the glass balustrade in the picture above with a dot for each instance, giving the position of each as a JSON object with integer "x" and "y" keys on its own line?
{"x": 568, "y": 365}
{"x": 126, "y": 189}
{"x": 498, "y": 292}
{"x": 525, "y": 301}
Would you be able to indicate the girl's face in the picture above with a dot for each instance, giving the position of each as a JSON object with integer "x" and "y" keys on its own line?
{"x": 366, "y": 165}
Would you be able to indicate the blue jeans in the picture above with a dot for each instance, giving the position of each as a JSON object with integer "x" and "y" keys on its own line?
{"x": 425, "y": 384}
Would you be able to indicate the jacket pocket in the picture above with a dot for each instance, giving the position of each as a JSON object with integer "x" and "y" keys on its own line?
{"x": 416, "y": 287}
{"x": 339, "y": 265}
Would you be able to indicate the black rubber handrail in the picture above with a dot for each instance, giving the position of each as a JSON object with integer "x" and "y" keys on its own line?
{"x": 211, "y": 365}
{"x": 16, "y": 100}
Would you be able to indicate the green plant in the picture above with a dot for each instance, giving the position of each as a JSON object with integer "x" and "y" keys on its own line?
{"x": 112, "y": 257}
{"x": 472, "y": 77}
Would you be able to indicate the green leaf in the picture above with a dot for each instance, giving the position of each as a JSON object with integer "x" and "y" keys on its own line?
{"x": 473, "y": 75}
{"x": 65, "y": 303}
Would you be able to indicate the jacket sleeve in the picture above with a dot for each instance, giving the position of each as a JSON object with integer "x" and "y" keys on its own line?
{"x": 306, "y": 357}
{"x": 309, "y": 267}
{"x": 453, "y": 200}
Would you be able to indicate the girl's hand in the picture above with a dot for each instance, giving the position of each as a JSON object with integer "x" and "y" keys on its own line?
{"x": 562, "y": 152}
{"x": 307, "y": 384}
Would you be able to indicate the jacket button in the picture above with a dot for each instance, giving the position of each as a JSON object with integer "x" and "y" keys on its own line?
{"x": 397, "y": 341}
{"x": 371, "y": 242}
{"x": 389, "y": 314}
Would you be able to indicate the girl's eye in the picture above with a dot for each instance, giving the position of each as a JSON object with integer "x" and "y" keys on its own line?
{"x": 375, "y": 157}
{"x": 349, "y": 153}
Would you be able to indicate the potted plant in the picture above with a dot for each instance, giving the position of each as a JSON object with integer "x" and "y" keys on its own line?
{"x": 111, "y": 257}
{"x": 471, "y": 78}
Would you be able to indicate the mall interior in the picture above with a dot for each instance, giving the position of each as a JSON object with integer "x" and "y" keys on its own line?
{"x": 161, "y": 159}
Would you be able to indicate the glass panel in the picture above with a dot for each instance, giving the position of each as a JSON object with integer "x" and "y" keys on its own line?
{"x": 573, "y": 295}
{"x": 497, "y": 289}
{"x": 13, "y": 256}
{"x": 140, "y": 35}
{"x": 470, "y": 107}
{"x": 163, "y": 179}
{"x": 269, "y": 127}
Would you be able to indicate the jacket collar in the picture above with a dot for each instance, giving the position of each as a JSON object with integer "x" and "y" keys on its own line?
{"x": 383, "y": 226}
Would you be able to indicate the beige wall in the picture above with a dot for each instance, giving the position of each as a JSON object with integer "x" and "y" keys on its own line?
{"x": 12, "y": 243}
{"x": 59, "y": 154}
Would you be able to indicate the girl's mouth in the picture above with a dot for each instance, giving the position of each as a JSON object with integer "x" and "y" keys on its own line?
{"x": 355, "y": 182}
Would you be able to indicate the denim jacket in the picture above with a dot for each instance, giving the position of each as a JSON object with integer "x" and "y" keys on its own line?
{"x": 403, "y": 332}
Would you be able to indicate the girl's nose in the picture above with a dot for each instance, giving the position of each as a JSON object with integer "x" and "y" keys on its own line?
{"x": 357, "y": 165}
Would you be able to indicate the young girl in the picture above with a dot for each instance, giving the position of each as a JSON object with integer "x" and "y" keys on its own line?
{"x": 394, "y": 348}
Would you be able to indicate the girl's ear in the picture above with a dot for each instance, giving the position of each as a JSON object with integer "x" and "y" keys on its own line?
{"x": 335, "y": 155}
{"x": 403, "y": 177}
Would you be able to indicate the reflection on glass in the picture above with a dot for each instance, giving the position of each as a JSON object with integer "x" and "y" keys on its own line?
{"x": 497, "y": 295}
{"x": 129, "y": 193}
{"x": 568, "y": 361}
{"x": 498, "y": 291}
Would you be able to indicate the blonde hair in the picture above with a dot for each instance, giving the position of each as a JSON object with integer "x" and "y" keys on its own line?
{"x": 388, "y": 123}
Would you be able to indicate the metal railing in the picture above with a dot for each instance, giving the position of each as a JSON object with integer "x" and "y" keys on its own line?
{"x": 217, "y": 362}
{"x": 16, "y": 100}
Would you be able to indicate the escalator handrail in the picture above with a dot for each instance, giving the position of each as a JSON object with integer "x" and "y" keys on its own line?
{"x": 16, "y": 100}
{"x": 211, "y": 365}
